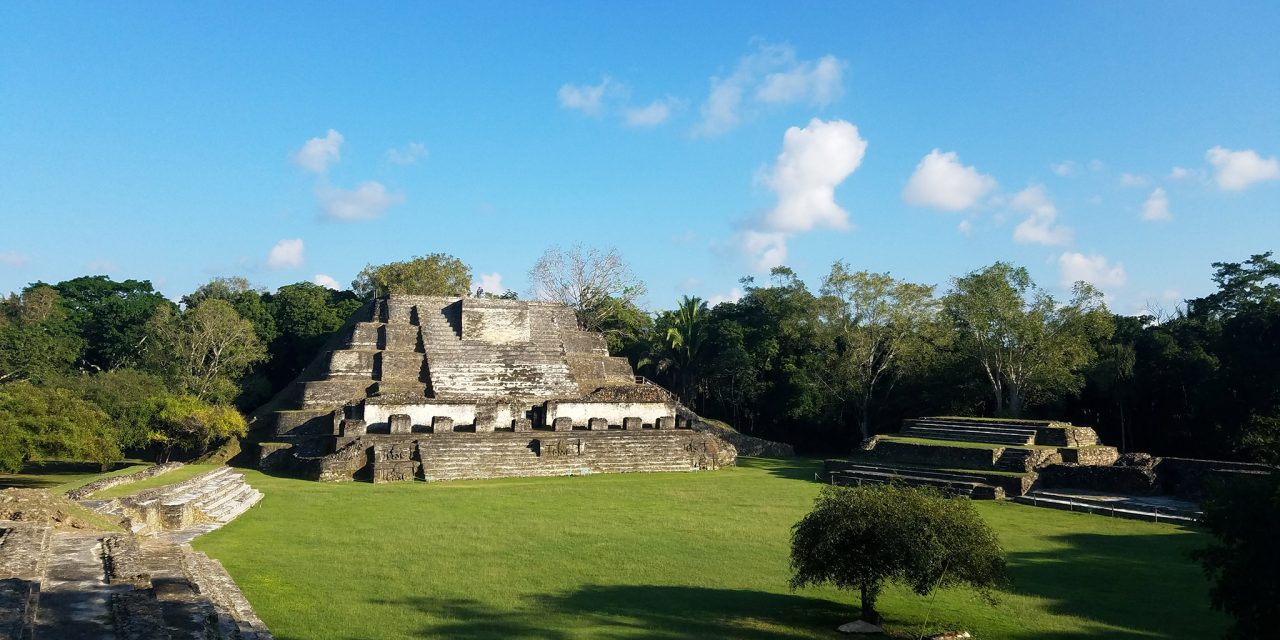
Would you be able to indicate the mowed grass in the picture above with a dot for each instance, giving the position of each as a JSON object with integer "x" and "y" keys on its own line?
{"x": 177, "y": 475}
{"x": 59, "y": 476}
{"x": 697, "y": 555}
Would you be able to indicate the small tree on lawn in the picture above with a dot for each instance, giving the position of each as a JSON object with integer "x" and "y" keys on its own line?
{"x": 185, "y": 422}
{"x": 864, "y": 537}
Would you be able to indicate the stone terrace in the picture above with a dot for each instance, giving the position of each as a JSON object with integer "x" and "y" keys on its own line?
{"x": 972, "y": 457}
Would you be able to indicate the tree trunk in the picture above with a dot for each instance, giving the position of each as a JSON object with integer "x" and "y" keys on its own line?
{"x": 869, "y": 613}
{"x": 1015, "y": 401}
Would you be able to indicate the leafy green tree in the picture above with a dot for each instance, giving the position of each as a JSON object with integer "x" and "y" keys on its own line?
{"x": 877, "y": 329}
{"x": 247, "y": 300}
{"x": 1028, "y": 346}
{"x": 38, "y": 342}
{"x": 125, "y": 395}
{"x": 865, "y": 537}
{"x": 50, "y": 423}
{"x": 598, "y": 284}
{"x": 111, "y": 317}
{"x": 187, "y": 423}
{"x": 204, "y": 350}
{"x": 435, "y": 274}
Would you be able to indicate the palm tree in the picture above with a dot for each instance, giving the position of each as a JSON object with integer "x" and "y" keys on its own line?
{"x": 680, "y": 347}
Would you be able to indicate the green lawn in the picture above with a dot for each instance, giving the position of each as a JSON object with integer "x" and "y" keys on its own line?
{"x": 177, "y": 475}
{"x": 670, "y": 555}
{"x": 60, "y": 477}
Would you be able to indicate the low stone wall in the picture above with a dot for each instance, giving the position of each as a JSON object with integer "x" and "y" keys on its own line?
{"x": 102, "y": 484}
{"x": 745, "y": 444}
{"x": 935, "y": 455}
{"x": 458, "y": 456}
{"x": 1090, "y": 456}
{"x": 1191, "y": 478}
{"x": 1110, "y": 479}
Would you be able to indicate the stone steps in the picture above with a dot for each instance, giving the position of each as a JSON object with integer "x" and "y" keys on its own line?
{"x": 974, "y": 490}
{"x": 1017, "y": 460}
{"x": 969, "y": 435}
{"x": 1129, "y": 511}
{"x": 913, "y": 472}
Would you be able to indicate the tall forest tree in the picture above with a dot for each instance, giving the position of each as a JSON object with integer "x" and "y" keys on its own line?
{"x": 38, "y": 341}
{"x": 205, "y": 350}
{"x": 1027, "y": 346}
{"x": 876, "y": 329}
{"x": 111, "y": 317}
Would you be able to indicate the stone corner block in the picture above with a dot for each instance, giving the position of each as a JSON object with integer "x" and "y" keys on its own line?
{"x": 665, "y": 422}
{"x": 563, "y": 424}
{"x": 522, "y": 424}
{"x": 598, "y": 424}
{"x": 632, "y": 424}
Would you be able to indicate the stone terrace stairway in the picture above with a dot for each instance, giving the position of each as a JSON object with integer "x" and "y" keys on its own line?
{"x": 989, "y": 431}
{"x": 529, "y": 365}
{"x": 190, "y": 508}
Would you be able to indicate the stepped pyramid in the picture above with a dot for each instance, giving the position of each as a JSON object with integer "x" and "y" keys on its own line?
{"x": 441, "y": 388}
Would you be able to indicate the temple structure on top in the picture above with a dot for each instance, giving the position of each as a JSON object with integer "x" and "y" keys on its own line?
{"x": 439, "y": 388}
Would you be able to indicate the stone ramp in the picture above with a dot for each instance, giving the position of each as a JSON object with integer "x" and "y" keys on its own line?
{"x": 106, "y": 586}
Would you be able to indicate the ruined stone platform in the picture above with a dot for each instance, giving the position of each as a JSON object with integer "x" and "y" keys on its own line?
{"x": 434, "y": 388}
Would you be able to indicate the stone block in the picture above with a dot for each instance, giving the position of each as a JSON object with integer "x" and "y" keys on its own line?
{"x": 442, "y": 424}
{"x": 394, "y": 471}
{"x": 563, "y": 424}
{"x": 522, "y": 424}
{"x": 632, "y": 424}
{"x": 401, "y": 423}
{"x": 354, "y": 427}
{"x": 666, "y": 422}
{"x": 597, "y": 424}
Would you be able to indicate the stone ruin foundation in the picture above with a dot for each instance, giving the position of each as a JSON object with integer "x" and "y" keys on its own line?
{"x": 435, "y": 388}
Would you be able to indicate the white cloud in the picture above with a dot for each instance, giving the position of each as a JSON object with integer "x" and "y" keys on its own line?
{"x": 287, "y": 254}
{"x": 817, "y": 83}
{"x": 1039, "y": 227}
{"x": 767, "y": 249}
{"x": 940, "y": 181}
{"x": 101, "y": 266}
{"x": 733, "y": 295}
{"x": 813, "y": 162}
{"x": 772, "y": 75}
{"x": 13, "y": 259}
{"x": 1171, "y": 295}
{"x": 1180, "y": 173}
{"x": 1097, "y": 165}
{"x": 1236, "y": 170}
{"x": 1132, "y": 180}
{"x": 1064, "y": 168}
{"x": 587, "y": 98}
{"x": 1157, "y": 206}
{"x": 1094, "y": 269}
{"x": 369, "y": 200}
{"x": 326, "y": 282}
{"x": 410, "y": 154}
{"x": 965, "y": 227}
{"x": 318, "y": 153}
{"x": 651, "y": 115}
{"x": 492, "y": 283}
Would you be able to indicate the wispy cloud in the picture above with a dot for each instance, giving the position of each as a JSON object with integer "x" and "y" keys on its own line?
{"x": 1157, "y": 206}
{"x": 770, "y": 75}
{"x": 369, "y": 200}
{"x": 1236, "y": 170}
{"x": 409, "y": 154}
{"x": 1040, "y": 226}
{"x": 317, "y": 154}
{"x": 286, "y": 254}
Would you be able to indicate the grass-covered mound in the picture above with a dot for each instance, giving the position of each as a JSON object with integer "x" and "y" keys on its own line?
{"x": 662, "y": 556}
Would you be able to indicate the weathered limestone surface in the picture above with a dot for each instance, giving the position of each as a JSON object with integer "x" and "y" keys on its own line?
{"x": 102, "y": 484}
{"x": 484, "y": 381}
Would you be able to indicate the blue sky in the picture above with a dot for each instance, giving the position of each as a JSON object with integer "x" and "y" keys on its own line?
{"x": 1130, "y": 144}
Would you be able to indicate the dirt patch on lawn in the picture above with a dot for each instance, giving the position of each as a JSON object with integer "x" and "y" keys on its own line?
{"x": 41, "y": 507}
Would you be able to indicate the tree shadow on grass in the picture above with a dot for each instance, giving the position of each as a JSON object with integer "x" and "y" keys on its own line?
{"x": 1143, "y": 585}
{"x": 667, "y": 613}
{"x": 789, "y": 468}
